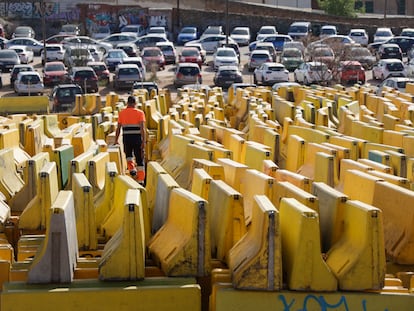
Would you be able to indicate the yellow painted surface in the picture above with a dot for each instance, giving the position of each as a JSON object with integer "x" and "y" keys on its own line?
{"x": 255, "y": 261}
{"x": 96, "y": 171}
{"x": 301, "y": 249}
{"x": 182, "y": 246}
{"x": 152, "y": 294}
{"x": 200, "y": 184}
{"x": 295, "y": 153}
{"x": 358, "y": 258}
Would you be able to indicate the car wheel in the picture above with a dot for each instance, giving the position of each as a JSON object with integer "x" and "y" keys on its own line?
{"x": 305, "y": 81}
{"x": 254, "y": 79}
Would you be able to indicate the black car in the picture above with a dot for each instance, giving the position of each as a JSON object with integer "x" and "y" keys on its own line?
{"x": 8, "y": 59}
{"x": 405, "y": 43}
{"x": 227, "y": 75}
{"x": 63, "y": 96}
{"x": 389, "y": 50}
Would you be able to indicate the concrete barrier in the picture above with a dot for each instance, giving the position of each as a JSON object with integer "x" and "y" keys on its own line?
{"x": 96, "y": 171}
{"x": 201, "y": 181}
{"x": 10, "y": 181}
{"x": 123, "y": 257}
{"x": 56, "y": 260}
{"x": 227, "y": 219}
{"x": 182, "y": 245}
{"x": 255, "y": 261}
{"x": 301, "y": 250}
{"x": 24, "y": 104}
{"x": 364, "y": 267}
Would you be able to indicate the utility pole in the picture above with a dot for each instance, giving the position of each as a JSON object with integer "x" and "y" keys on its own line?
{"x": 43, "y": 12}
{"x": 385, "y": 12}
{"x": 227, "y": 21}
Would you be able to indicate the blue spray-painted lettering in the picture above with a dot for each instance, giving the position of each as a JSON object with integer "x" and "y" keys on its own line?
{"x": 310, "y": 300}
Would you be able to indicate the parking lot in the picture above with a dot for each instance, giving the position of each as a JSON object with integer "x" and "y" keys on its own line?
{"x": 164, "y": 78}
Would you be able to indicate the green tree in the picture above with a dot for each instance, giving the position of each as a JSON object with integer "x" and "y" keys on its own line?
{"x": 338, "y": 7}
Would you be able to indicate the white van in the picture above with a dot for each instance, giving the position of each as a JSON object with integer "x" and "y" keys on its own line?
{"x": 300, "y": 30}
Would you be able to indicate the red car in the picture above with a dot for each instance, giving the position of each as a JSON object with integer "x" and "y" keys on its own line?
{"x": 190, "y": 55}
{"x": 153, "y": 56}
{"x": 55, "y": 73}
{"x": 351, "y": 72}
{"x": 101, "y": 71}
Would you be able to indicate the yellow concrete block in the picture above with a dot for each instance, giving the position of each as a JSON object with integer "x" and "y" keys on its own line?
{"x": 331, "y": 210}
{"x": 104, "y": 199}
{"x": 284, "y": 189}
{"x": 201, "y": 183}
{"x": 398, "y": 162}
{"x": 390, "y": 121}
{"x": 296, "y": 179}
{"x": 85, "y": 212}
{"x": 236, "y": 144}
{"x": 227, "y": 218}
{"x": 159, "y": 214}
{"x": 360, "y": 185}
{"x": 380, "y": 157}
{"x": 182, "y": 246}
{"x": 96, "y": 171}
{"x": 215, "y": 170}
{"x": 396, "y": 205}
{"x": 282, "y": 109}
{"x": 269, "y": 168}
{"x": 255, "y": 183}
{"x": 295, "y": 154}
{"x": 208, "y": 132}
{"x": 368, "y": 146}
{"x": 116, "y": 155}
{"x": 358, "y": 258}
{"x": 36, "y": 215}
{"x": 123, "y": 257}
{"x": 301, "y": 250}
{"x": 325, "y": 169}
{"x": 393, "y": 138}
{"x": 396, "y": 180}
{"x": 218, "y": 151}
{"x": 256, "y": 154}
{"x": 255, "y": 260}
{"x": 408, "y": 146}
{"x": 78, "y": 165}
{"x": 55, "y": 261}
{"x": 115, "y": 216}
{"x": 81, "y": 142}
{"x": 233, "y": 172}
{"x": 10, "y": 181}
{"x": 308, "y": 134}
{"x": 376, "y": 166}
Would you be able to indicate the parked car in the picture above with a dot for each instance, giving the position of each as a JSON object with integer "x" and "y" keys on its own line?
{"x": 351, "y": 72}
{"x": 29, "y": 83}
{"x": 101, "y": 32}
{"x": 168, "y": 49}
{"x": 323, "y": 54}
{"x": 278, "y": 41}
{"x": 404, "y": 42}
{"x": 312, "y": 72}
{"x": 210, "y": 42}
{"x": 24, "y": 32}
{"x": 291, "y": 58}
{"x": 126, "y": 75}
{"x": 295, "y": 44}
{"x": 85, "y": 77}
{"x": 97, "y": 54}
{"x": 258, "y": 57}
{"x": 77, "y": 56}
{"x": 265, "y": 31}
{"x": 148, "y": 85}
{"x": 388, "y": 68}
{"x": 383, "y": 34}
{"x": 158, "y": 30}
{"x": 70, "y": 29}
{"x": 300, "y": 30}
{"x": 117, "y": 38}
{"x": 26, "y": 55}
{"x": 395, "y": 83}
{"x": 136, "y": 29}
{"x": 15, "y": 71}
{"x": 407, "y": 32}
{"x": 270, "y": 73}
{"x": 85, "y": 41}
{"x": 227, "y": 75}
{"x": 33, "y": 44}
{"x": 8, "y": 59}
{"x": 190, "y": 54}
{"x": 114, "y": 57}
{"x": 241, "y": 35}
{"x": 63, "y": 97}
{"x": 212, "y": 31}
{"x": 186, "y": 34}
{"x": 55, "y": 73}
{"x": 269, "y": 47}
{"x": 359, "y": 35}
{"x": 389, "y": 50}
{"x": 199, "y": 47}
{"x": 56, "y": 38}
{"x": 149, "y": 40}
{"x": 233, "y": 45}
{"x": 129, "y": 48}
{"x": 187, "y": 73}
{"x": 54, "y": 51}
{"x": 153, "y": 58}
{"x": 3, "y": 42}
{"x": 362, "y": 55}
{"x": 328, "y": 30}
{"x": 225, "y": 56}
{"x": 137, "y": 61}
{"x": 101, "y": 71}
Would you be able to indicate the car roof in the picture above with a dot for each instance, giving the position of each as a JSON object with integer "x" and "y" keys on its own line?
{"x": 29, "y": 73}
{"x": 127, "y": 66}
{"x": 228, "y": 67}
{"x": 187, "y": 65}
{"x": 79, "y": 68}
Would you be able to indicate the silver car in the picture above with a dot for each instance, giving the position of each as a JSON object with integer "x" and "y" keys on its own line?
{"x": 29, "y": 83}
{"x": 126, "y": 75}
{"x": 187, "y": 73}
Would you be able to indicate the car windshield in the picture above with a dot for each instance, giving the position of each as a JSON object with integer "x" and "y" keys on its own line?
{"x": 240, "y": 32}
{"x": 360, "y": 52}
{"x": 98, "y": 67}
{"x": 188, "y": 30}
{"x": 357, "y": 34}
{"x": 322, "y": 52}
{"x": 391, "y": 49}
{"x": 30, "y": 79}
{"x": 68, "y": 92}
{"x": 402, "y": 84}
{"x": 352, "y": 67}
{"x": 383, "y": 34}
{"x": 22, "y": 31}
{"x": 18, "y": 50}
{"x": 189, "y": 52}
{"x": 328, "y": 31}
{"x": 128, "y": 71}
{"x": 228, "y": 72}
{"x": 318, "y": 67}
{"x": 151, "y": 52}
{"x": 275, "y": 68}
{"x": 291, "y": 53}
{"x": 226, "y": 53}
{"x": 52, "y": 48}
{"x": 189, "y": 71}
{"x": 266, "y": 31}
{"x": 260, "y": 56}
{"x": 298, "y": 29}
{"x": 130, "y": 29}
{"x": 85, "y": 74}
{"x": 7, "y": 54}
{"x": 395, "y": 66}
{"x": 55, "y": 67}
{"x": 116, "y": 54}
{"x": 69, "y": 28}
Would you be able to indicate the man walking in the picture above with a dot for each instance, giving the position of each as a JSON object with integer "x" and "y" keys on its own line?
{"x": 132, "y": 122}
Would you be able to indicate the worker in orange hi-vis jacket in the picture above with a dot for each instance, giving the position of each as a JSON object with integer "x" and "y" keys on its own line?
{"x": 132, "y": 122}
